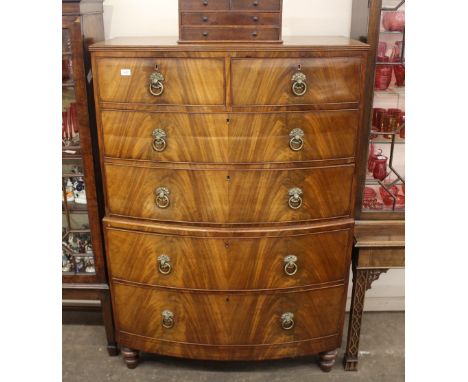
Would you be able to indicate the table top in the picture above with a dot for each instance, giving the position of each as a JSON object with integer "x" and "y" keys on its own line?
{"x": 378, "y": 233}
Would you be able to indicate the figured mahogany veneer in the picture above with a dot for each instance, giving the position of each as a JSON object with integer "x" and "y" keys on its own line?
{"x": 187, "y": 81}
{"x": 229, "y": 262}
{"x": 230, "y": 138}
{"x": 229, "y": 33}
{"x": 268, "y": 81}
{"x": 222, "y": 196}
{"x": 220, "y": 318}
{"x": 227, "y": 114}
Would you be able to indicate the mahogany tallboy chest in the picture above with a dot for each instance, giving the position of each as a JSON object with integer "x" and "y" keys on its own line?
{"x": 230, "y": 179}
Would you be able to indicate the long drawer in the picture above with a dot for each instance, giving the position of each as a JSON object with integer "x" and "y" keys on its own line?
{"x": 184, "y": 81}
{"x": 295, "y": 81}
{"x": 229, "y": 196}
{"x": 231, "y": 262}
{"x": 233, "y": 138}
{"x": 230, "y": 18}
{"x": 229, "y": 33}
{"x": 228, "y": 318}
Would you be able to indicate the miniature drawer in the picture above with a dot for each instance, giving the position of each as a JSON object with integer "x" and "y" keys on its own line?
{"x": 231, "y": 18}
{"x": 228, "y": 318}
{"x": 229, "y": 196}
{"x": 253, "y": 5}
{"x": 203, "y": 5}
{"x": 295, "y": 81}
{"x": 129, "y": 80}
{"x": 230, "y": 138}
{"x": 229, "y": 33}
{"x": 229, "y": 263}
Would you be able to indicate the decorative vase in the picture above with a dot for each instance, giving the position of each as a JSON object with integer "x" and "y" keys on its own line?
{"x": 383, "y": 75}
{"x": 394, "y": 21}
{"x": 380, "y": 167}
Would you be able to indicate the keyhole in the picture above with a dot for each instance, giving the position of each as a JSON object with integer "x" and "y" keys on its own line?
{"x": 226, "y": 244}
{"x": 228, "y": 178}
{"x": 227, "y": 299}
{"x": 299, "y": 67}
{"x": 156, "y": 67}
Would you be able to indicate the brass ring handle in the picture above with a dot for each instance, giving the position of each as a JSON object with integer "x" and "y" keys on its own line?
{"x": 156, "y": 86}
{"x": 287, "y": 321}
{"x": 164, "y": 266}
{"x": 167, "y": 319}
{"x": 296, "y": 142}
{"x": 295, "y": 200}
{"x": 290, "y": 266}
{"x": 299, "y": 86}
{"x": 159, "y": 140}
{"x": 162, "y": 197}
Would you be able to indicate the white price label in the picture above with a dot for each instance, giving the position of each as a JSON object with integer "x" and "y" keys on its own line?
{"x": 125, "y": 72}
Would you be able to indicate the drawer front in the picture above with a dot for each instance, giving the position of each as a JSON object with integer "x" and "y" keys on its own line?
{"x": 270, "y": 81}
{"x": 229, "y": 263}
{"x": 229, "y": 196}
{"x": 229, "y": 33}
{"x": 231, "y": 18}
{"x": 228, "y": 318}
{"x": 207, "y": 5}
{"x": 185, "y": 80}
{"x": 182, "y": 137}
{"x": 248, "y": 138}
{"x": 263, "y": 5}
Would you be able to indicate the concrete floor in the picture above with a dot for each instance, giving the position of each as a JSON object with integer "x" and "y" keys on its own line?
{"x": 85, "y": 358}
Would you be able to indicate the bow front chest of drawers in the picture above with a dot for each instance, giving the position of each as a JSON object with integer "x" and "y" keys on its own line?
{"x": 229, "y": 176}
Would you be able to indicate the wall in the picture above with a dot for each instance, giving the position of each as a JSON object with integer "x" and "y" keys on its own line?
{"x": 300, "y": 17}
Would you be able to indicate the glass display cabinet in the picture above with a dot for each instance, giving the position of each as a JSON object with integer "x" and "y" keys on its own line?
{"x": 83, "y": 266}
{"x": 382, "y": 159}
{"x": 379, "y": 235}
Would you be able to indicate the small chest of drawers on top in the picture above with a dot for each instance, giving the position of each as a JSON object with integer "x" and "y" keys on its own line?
{"x": 230, "y": 179}
{"x": 230, "y": 20}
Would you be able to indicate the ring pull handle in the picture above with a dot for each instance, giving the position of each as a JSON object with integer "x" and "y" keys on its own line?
{"x": 156, "y": 86}
{"x": 295, "y": 199}
{"x": 164, "y": 266}
{"x": 167, "y": 319}
{"x": 290, "y": 266}
{"x": 299, "y": 86}
{"x": 296, "y": 142}
{"x": 287, "y": 321}
{"x": 159, "y": 140}
{"x": 162, "y": 197}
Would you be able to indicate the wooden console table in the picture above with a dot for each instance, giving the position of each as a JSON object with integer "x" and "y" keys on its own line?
{"x": 379, "y": 246}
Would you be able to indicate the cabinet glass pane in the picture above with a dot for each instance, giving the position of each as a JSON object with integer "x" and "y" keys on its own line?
{"x": 385, "y": 177}
{"x": 77, "y": 251}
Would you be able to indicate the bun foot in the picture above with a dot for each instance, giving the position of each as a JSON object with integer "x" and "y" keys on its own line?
{"x": 131, "y": 357}
{"x": 327, "y": 360}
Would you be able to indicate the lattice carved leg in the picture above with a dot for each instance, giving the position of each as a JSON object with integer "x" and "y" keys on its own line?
{"x": 131, "y": 357}
{"x": 327, "y": 360}
{"x": 362, "y": 281}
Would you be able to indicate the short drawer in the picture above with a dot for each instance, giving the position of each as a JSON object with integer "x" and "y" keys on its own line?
{"x": 189, "y": 5}
{"x": 229, "y": 196}
{"x": 229, "y": 33}
{"x": 228, "y": 318}
{"x": 263, "y": 5}
{"x": 184, "y": 81}
{"x": 230, "y": 138}
{"x": 230, "y": 18}
{"x": 229, "y": 263}
{"x": 295, "y": 81}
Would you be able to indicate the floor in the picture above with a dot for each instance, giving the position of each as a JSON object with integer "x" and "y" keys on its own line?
{"x": 85, "y": 358}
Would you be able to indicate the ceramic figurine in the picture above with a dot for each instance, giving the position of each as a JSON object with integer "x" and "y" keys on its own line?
{"x": 69, "y": 191}
{"x": 79, "y": 191}
{"x": 90, "y": 266}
